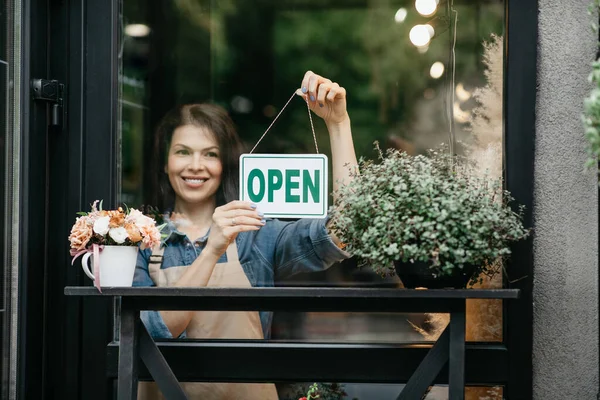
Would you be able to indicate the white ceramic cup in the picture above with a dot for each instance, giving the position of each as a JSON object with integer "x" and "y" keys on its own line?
{"x": 117, "y": 265}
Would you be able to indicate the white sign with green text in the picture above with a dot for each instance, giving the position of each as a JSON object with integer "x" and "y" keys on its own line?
{"x": 285, "y": 185}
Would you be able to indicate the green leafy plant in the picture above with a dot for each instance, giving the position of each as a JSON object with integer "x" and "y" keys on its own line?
{"x": 322, "y": 391}
{"x": 591, "y": 117}
{"x": 591, "y": 105}
{"x": 312, "y": 393}
{"x": 434, "y": 209}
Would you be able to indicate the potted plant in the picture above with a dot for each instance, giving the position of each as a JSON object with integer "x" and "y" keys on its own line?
{"x": 112, "y": 238}
{"x": 322, "y": 391}
{"x": 430, "y": 219}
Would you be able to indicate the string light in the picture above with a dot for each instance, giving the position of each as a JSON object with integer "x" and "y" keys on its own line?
{"x": 420, "y": 35}
{"x": 400, "y": 15}
{"x": 426, "y": 7}
{"x": 137, "y": 30}
{"x": 437, "y": 70}
{"x": 462, "y": 93}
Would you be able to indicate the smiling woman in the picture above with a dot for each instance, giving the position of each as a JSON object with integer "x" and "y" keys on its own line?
{"x": 214, "y": 240}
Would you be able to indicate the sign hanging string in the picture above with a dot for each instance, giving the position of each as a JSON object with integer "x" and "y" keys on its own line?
{"x": 277, "y": 116}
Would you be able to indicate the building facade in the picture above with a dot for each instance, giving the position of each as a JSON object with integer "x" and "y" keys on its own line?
{"x": 106, "y": 72}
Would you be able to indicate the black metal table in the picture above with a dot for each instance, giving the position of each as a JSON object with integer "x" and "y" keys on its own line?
{"x": 135, "y": 342}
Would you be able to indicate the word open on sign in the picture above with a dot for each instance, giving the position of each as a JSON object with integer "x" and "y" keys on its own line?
{"x": 285, "y": 185}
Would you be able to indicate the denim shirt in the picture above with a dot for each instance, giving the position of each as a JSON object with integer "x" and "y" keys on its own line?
{"x": 277, "y": 250}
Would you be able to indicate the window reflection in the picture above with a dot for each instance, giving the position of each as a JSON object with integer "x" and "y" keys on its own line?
{"x": 405, "y": 90}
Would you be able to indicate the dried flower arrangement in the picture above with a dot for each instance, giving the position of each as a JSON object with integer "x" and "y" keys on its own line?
{"x": 114, "y": 227}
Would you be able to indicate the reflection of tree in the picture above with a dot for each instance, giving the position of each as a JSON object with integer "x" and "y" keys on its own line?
{"x": 398, "y": 72}
{"x": 366, "y": 51}
{"x": 428, "y": 122}
{"x": 258, "y": 50}
{"x": 484, "y": 317}
{"x": 486, "y": 123}
{"x": 202, "y": 16}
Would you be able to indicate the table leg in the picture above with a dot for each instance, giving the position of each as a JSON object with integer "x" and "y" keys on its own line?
{"x": 428, "y": 370}
{"x": 158, "y": 367}
{"x": 128, "y": 353}
{"x": 456, "y": 370}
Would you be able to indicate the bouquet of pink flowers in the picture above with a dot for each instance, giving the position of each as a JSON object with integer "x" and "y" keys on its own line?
{"x": 113, "y": 236}
{"x": 119, "y": 227}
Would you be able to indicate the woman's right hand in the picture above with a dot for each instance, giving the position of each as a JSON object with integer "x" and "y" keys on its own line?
{"x": 228, "y": 221}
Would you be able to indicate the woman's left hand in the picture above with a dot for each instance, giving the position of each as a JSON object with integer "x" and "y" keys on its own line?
{"x": 327, "y": 99}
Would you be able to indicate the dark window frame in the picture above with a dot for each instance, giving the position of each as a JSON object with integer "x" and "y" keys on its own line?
{"x": 519, "y": 109}
{"x": 520, "y": 91}
{"x": 76, "y": 332}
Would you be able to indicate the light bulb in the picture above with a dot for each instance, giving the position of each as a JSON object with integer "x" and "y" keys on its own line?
{"x": 419, "y": 35}
{"x": 400, "y": 15}
{"x": 137, "y": 30}
{"x": 426, "y": 7}
{"x": 437, "y": 70}
{"x": 462, "y": 93}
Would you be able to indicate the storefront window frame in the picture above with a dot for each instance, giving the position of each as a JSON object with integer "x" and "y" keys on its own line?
{"x": 92, "y": 123}
{"x": 519, "y": 109}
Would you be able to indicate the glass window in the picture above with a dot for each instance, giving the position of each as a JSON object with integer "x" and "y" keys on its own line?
{"x": 417, "y": 74}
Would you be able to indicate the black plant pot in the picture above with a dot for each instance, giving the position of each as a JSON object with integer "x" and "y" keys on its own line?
{"x": 418, "y": 274}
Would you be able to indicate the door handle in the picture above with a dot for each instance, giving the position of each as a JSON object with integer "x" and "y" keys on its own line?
{"x": 51, "y": 92}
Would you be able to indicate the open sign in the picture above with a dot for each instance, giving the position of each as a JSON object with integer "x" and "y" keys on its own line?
{"x": 285, "y": 185}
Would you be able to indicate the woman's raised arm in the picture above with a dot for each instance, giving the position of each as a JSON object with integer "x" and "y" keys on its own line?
{"x": 327, "y": 99}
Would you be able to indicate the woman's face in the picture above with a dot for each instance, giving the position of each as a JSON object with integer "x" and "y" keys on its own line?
{"x": 194, "y": 164}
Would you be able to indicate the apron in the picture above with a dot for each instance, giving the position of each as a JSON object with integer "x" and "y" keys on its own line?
{"x": 214, "y": 325}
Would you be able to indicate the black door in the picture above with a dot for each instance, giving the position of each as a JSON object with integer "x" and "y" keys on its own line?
{"x": 64, "y": 167}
